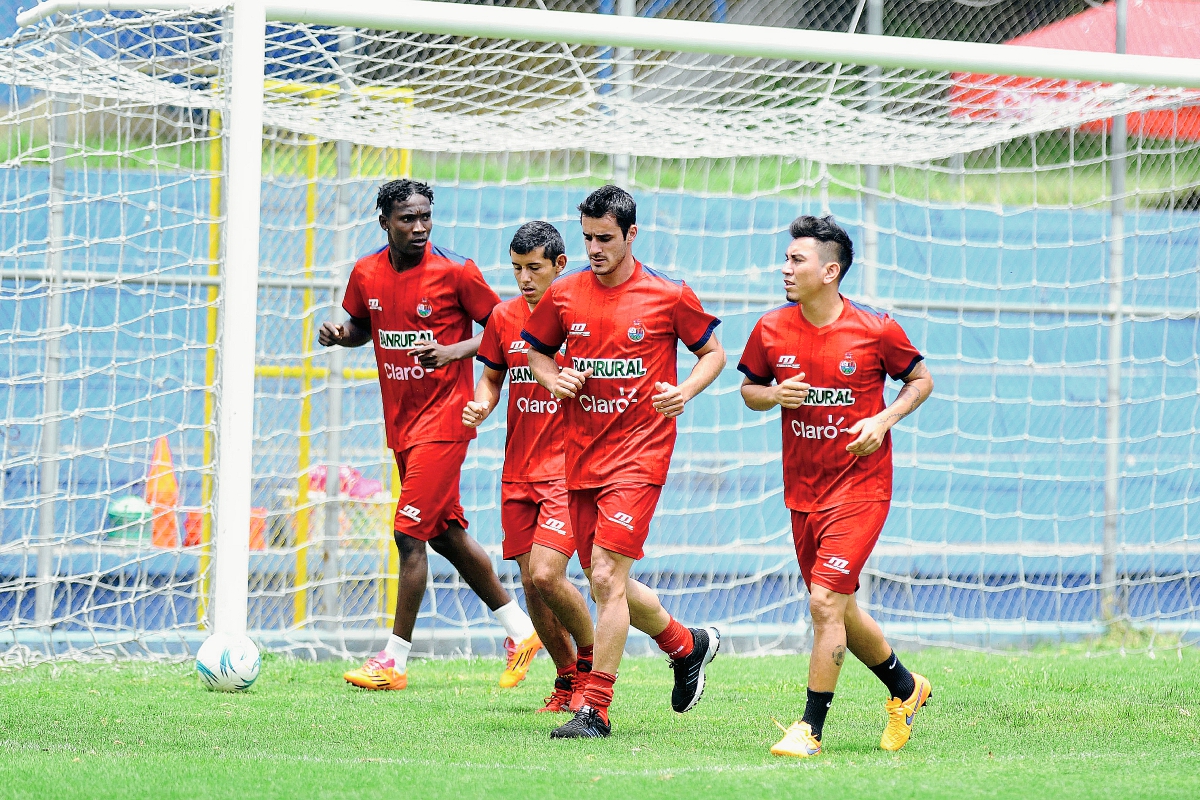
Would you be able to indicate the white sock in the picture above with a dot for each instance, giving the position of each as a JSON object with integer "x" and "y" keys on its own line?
{"x": 398, "y": 649}
{"x": 516, "y": 622}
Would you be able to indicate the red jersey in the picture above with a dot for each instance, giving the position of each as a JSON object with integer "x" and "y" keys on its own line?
{"x": 533, "y": 451}
{"x": 434, "y": 301}
{"x": 628, "y": 336}
{"x": 844, "y": 363}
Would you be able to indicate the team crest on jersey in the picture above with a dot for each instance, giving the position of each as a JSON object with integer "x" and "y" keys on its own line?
{"x": 847, "y": 366}
{"x": 636, "y": 331}
{"x": 424, "y": 309}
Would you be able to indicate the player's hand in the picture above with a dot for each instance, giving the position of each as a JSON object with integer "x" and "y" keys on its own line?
{"x": 569, "y": 382}
{"x": 669, "y": 401}
{"x": 330, "y": 334}
{"x": 434, "y": 355}
{"x": 792, "y": 392}
{"x": 870, "y": 433}
{"x": 474, "y": 413}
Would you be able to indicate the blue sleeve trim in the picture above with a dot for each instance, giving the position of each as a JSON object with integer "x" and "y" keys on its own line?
{"x": 492, "y": 364}
{"x": 712, "y": 326}
{"x": 449, "y": 254}
{"x": 544, "y": 349}
{"x": 911, "y": 367}
{"x": 759, "y": 379}
{"x": 483, "y": 322}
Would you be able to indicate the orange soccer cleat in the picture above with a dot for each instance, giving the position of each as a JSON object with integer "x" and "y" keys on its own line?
{"x": 378, "y": 673}
{"x": 519, "y": 661}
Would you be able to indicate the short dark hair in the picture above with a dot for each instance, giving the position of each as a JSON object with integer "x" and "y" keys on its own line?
{"x": 532, "y": 235}
{"x": 826, "y": 231}
{"x": 398, "y": 191}
{"x": 611, "y": 200}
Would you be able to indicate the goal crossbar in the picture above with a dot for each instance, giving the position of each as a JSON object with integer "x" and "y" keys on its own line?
{"x": 750, "y": 41}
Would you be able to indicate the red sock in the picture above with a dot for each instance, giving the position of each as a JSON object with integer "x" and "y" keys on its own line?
{"x": 599, "y": 692}
{"x": 567, "y": 671}
{"x": 676, "y": 641}
{"x": 583, "y": 657}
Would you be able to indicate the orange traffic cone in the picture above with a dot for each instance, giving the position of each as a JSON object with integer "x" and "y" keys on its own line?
{"x": 162, "y": 495}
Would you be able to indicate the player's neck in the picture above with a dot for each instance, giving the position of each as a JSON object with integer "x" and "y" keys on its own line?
{"x": 822, "y": 310}
{"x": 402, "y": 262}
{"x": 622, "y": 273}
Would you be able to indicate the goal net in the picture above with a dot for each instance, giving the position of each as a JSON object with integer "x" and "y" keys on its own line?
{"x": 1044, "y": 261}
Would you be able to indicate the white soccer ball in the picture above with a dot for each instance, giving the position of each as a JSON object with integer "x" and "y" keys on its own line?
{"x": 228, "y": 663}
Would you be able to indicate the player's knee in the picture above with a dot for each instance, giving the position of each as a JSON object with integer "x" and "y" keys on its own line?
{"x": 412, "y": 551}
{"x": 607, "y": 586}
{"x": 449, "y": 541}
{"x": 826, "y": 608}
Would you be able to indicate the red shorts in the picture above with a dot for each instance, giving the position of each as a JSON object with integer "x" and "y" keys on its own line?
{"x": 429, "y": 497}
{"x": 535, "y": 513}
{"x": 832, "y": 545}
{"x": 615, "y": 517}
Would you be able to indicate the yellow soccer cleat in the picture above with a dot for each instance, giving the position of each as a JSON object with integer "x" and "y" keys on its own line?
{"x": 901, "y": 714}
{"x": 519, "y": 661}
{"x": 378, "y": 673}
{"x": 797, "y": 742}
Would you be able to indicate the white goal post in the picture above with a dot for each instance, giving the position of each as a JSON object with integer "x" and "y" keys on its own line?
{"x": 1101, "y": 86}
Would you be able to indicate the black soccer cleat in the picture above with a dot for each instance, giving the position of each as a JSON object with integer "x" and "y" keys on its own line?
{"x": 689, "y": 671}
{"x": 586, "y": 724}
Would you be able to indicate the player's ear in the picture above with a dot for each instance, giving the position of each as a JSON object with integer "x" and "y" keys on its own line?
{"x": 833, "y": 272}
{"x": 383, "y": 220}
{"x": 629, "y": 237}
{"x": 560, "y": 263}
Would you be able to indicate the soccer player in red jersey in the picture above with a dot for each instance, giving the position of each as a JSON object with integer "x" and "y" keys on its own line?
{"x": 533, "y": 502}
{"x": 621, "y": 323}
{"x": 416, "y": 301}
{"x": 824, "y": 358}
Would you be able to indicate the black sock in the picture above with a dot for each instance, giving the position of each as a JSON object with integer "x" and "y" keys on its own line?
{"x": 898, "y": 680}
{"x": 815, "y": 710}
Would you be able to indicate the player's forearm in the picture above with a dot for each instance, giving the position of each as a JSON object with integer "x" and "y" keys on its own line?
{"x": 914, "y": 392}
{"x": 706, "y": 370}
{"x": 358, "y": 333}
{"x": 758, "y": 397}
{"x": 487, "y": 390}
{"x": 544, "y": 370}
{"x": 465, "y": 349}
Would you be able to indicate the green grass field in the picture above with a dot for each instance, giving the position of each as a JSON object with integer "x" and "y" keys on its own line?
{"x": 1055, "y": 724}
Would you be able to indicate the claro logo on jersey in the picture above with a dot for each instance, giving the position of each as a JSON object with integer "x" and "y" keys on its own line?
{"x": 610, "y": 367}
{"x": 404, "y": 340}
{"x": 830, "y": 430}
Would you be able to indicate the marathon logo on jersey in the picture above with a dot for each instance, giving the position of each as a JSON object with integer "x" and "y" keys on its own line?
{"x": 579, "y": 329}
{"x": 787, "y": 362}
{"x": 412, "y": 512}
{"x": 519, "y": 346}
{"x": 555, "y": 525}
{"x": 373, "y": 304}
{"x": 404, "y": 340}
{"x": 520, "y": 375}
{"x": 820, "y": 396}
{"x": 838, "y": 564}
{"x": 623, "y": 519}
{"x": 613, "y": 368}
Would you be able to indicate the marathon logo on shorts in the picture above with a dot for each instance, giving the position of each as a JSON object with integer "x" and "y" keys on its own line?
{"x": 404, "y": 340}
{"x": 818, "y": 396}
{"x": 555, "y": 525}
{"x": 520, "y": 375}
{"x": 611, "y": 367}
{"x": 623, "y": 519}
{"x": 412, "y": 512}
{"x": 839, "y": 564}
